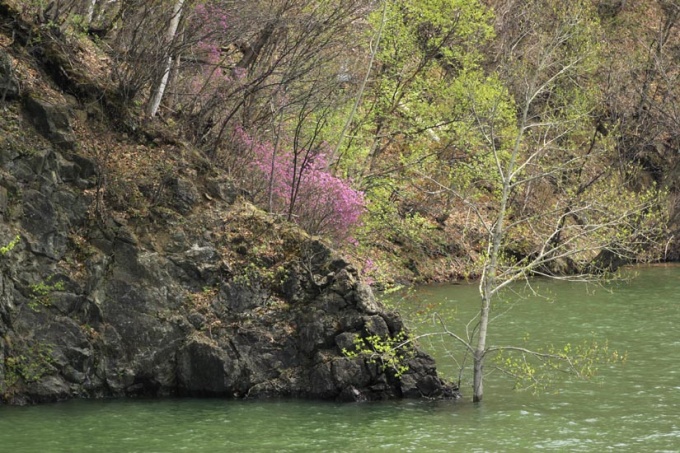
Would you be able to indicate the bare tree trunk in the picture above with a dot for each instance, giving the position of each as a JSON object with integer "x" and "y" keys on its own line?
{"x": 89, "y": 14}
{"x": 155, "y": 101}
{"x": 480, "y": 350}
{"x": 487, "y": 288}
{"x": 489, "y": 283}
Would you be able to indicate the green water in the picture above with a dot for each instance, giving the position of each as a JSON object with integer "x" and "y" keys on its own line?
{"x": 632, "y": 407}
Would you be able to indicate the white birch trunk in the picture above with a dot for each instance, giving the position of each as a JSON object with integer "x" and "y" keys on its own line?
{"x": 89, "y": 15}
{"x": 157, "y": 96}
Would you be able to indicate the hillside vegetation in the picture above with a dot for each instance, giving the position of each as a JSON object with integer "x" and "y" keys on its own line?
{"x": 377, "y": 125}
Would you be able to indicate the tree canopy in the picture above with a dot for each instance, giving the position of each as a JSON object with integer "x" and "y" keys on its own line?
{"x": 388, "y": 126}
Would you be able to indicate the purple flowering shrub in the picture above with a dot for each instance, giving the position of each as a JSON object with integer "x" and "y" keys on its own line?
{"x": 300, "y": 187}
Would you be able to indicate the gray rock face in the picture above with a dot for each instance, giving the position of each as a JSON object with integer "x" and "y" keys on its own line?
{"x": 185, "y": 194}
{"x": 52, "y": 121}
{"x": 111, "y": 314}
{"x": 9, "y": 85}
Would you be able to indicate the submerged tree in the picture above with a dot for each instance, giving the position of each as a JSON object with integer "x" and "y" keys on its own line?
{"x": 537, "y": 177}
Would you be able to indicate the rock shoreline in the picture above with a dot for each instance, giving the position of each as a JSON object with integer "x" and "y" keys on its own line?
{"x": 103, "y": 314}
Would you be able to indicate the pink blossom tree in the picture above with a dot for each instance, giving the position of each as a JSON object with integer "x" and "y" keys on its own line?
{"x": 300, "y": 187}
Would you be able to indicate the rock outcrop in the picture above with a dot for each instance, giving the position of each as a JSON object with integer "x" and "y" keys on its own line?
{"x": 217, "y": 299}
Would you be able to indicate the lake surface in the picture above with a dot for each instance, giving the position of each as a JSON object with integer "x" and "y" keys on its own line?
{"x": 633, "y": 406}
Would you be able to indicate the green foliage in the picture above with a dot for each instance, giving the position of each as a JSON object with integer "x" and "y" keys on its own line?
{"x": 78, "y": 23}
{"x": 537, "y": 370}
{"x": 41, "y": 291}
{"x": 392, "y": 353}
{"x": 27, "y": 365}
{"x": 255, "y": 275}
{"x": 426, "y": 52}
{"x": 415, "y": 141}
{"x": 9, "y": 247}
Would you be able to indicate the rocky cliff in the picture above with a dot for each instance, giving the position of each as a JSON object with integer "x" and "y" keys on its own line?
{"x": 125, "y": 284}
